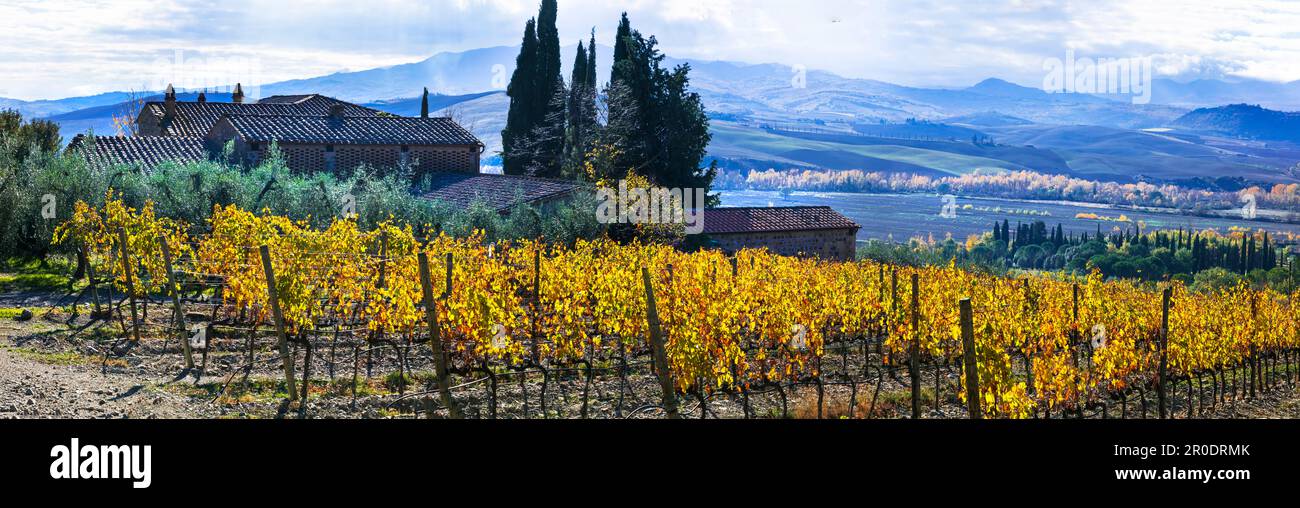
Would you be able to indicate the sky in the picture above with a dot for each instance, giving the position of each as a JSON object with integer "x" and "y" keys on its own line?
{"x": 53, "y": 49}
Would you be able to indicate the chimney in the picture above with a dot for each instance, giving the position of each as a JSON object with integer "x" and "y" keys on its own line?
{"x": 336, "y": 113}
{"x": 203, "y": 96}
{"x": 169, "y": 103}
{"x": 238, "y": 95}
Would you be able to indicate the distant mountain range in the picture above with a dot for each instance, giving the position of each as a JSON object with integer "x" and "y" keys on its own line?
{"x": 733, "y": 87}
{"x": 768, "y": 115}
{"x": 1212, "y": 92}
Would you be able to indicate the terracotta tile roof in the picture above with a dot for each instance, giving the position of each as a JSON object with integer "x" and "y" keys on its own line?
{"x": 773, "y": 219}
{"x": 148, "y": 151}
{"x": 197, "y": 118}
{"x": 499, "y": 192}
{"x": 359, "y": 130}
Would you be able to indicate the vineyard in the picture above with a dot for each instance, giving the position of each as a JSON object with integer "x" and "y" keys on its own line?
{"x": 748, "y": 330}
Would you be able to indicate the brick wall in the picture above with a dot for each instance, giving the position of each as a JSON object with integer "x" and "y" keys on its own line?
{"x": 341, "y": 159}
{"x": 315, "y": 158}
{"x": 464, "y": 159}
{"x": 839, "y": 244}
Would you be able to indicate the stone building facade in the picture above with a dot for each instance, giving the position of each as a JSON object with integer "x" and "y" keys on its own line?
{"x": 314, "y": 133}
{"x": 806, "y": 231}
{"x": 337, "y": 143}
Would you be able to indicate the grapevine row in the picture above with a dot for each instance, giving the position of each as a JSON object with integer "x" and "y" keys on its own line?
{"x": 730, "y": 323}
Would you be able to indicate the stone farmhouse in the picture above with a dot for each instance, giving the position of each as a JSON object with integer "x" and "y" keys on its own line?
{"x": 315, "y": 133}
{"x": 811, "y": 231}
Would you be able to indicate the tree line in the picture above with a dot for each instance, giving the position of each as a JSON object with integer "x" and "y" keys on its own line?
{"x": 643, "y": 120}
{"x": 1129, "y": 252}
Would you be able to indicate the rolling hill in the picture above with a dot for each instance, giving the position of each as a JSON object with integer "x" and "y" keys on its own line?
{"x": 763, "y": 117}
{"x": 1244, "y": 121}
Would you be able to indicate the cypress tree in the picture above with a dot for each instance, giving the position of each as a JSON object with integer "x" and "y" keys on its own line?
{"x": 424, "y": 104}
{"x": 521, "y": 118}
{"x": 550, "y": 93}
{"x": 621, "y": 53}
{"x": 533, "y": 140}
{"x": 591, "y": 64}
{"x": 1251, "y": 262}
{"x": 1264, "y": 260}
{"x": 655, "y": 121}
{"x": 582, "y": 124}
{"x": 574, "y": 145}
{"x": 548, "y": 57}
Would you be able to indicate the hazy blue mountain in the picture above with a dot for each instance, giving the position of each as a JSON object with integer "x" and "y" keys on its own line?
{"x": 46, "y": 108}
{"x": 1211, "y": 92}
{"x": 482, "y": 113}
{"x": 767, "y": 93}
{"x": 448, "y": 73}
{"x": 995, "y": 87}
{"x": 484, "y": 116}
{"x": 1124, "y": 155}
{"x": 1244, "y": 121}
{"x": 411, "y": 106}
{"x": 773, "y": 115}
{"x": 99, "y": 119}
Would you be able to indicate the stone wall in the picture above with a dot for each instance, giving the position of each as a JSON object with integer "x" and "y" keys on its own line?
{"x": 341, "y": 159}
{"x": 837, "y": 244}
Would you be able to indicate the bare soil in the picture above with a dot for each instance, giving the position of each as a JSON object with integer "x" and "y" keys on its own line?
{"x": 61, "y": 365}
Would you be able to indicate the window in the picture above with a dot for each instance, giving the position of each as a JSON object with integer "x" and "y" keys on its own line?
{"x": 329, "y": 148}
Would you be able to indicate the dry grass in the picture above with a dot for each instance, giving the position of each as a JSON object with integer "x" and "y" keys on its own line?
{"x": 836, "y": 406}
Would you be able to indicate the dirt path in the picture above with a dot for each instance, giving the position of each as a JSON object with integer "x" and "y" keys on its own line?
{"x": 33, "y": 385}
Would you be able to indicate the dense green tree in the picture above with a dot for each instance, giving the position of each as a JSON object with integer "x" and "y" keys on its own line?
{"x": 657, "y": 124}
{"x": 581, "y": 122}
{"x": 24, "y": 138}
{"x": 550, "y": 94}
{"x": 619, "y": 73}
{"x": 521, "y": 118}
{"x": 533, "y": 140}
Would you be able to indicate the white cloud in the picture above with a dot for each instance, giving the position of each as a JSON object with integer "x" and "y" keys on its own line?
{"x": 59, "y": 48}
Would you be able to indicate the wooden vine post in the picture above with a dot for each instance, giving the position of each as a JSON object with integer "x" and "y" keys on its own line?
{"x": 383, "y": 258}
{"x": 893, "y": 314}
{"x": 178, "y": 315}
{"x": 1074, "y": 346}
{"x": 914, "y": 362}
{"x": 1024, "y": 352}
{"x": 1164, "y": 346}
{"x": 1253, "y": 359}
{"x": 90, "y": 279}
{"x": 435, "y": 336}
{"x": 660, "y": 354}
{"x": 969, "y": 361}
{"x": 282, "y": 337}
{"x": 130, "y": 286}
{"x": 537, "y": 308}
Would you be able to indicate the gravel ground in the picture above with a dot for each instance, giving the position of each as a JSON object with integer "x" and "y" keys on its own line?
{"x": 55, "y": 366}
{"x": 35, "y": 386}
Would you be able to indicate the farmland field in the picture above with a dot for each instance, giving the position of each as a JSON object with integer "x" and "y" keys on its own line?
{"x": 903, "y": 216}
